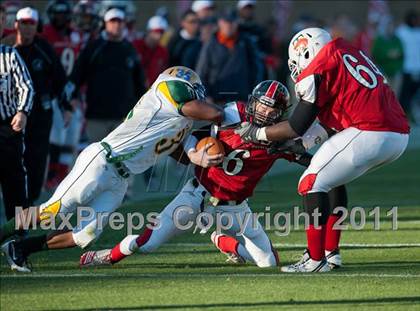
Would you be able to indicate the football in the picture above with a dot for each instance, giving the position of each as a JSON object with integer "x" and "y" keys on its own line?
{"x": 215, "y": 149}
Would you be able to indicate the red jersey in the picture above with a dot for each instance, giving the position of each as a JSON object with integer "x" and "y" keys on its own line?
{"x": 350, "y": 91}
{"x": 66, "y": 46}
{"x": 154, "y": 61}
{"x": 243, "y": 167}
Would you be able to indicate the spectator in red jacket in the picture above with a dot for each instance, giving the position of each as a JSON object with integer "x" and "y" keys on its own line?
{"x": 154, "y": 57}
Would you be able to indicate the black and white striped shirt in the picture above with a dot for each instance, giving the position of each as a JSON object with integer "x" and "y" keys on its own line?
{"x": 16, "y": 90}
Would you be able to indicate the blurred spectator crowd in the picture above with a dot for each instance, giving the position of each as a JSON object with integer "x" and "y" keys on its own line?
{"x": 92, "y": 63}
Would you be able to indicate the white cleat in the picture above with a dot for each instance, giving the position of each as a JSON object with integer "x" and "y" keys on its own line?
{"x": 307, "y": 264}
{"x": 95, "y": 258}
{"x": 15, "y": 258}
{"x": 334, "y": 258}
{"x": 231, "y": 257}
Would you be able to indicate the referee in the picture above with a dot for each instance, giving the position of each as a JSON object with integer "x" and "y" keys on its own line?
{"x": 16, "y": 94}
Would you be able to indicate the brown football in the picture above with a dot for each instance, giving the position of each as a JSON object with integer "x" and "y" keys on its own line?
{"x": 215, "y": 149}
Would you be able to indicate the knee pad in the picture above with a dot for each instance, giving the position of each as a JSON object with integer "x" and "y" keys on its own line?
{"x": 307, "y": 185}
{"x": 85, "y": 237}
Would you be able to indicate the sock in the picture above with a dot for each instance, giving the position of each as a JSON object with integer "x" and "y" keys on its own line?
{"x": 128, "y": 245}
{"x": 227, "y": 244}
{"x": 332, "y": 236}
{"x": 33, "y": 244}
{"x": 7, "y": 230}
{"x": 117, "y": 255}
{"x": 316, "y": 242}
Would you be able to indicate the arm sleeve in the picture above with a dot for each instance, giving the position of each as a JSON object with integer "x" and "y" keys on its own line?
{"x": 23, "y": 82}
{"x": 177, "y": 93}
{"x": 308, "y": 105}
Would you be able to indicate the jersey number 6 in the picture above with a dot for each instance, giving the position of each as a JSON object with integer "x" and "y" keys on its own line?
{"x": 236, "y": 157}
{"x": 356, "y": 71}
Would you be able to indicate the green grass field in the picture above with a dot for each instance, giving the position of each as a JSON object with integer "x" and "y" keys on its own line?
{"x": 381, "y": 272}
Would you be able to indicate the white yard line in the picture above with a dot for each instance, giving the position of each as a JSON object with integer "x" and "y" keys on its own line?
{"x": 346, "y": 245}
{"x": 207, "y": 275}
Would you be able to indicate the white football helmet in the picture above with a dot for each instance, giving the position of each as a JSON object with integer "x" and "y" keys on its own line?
{"x": 303, "y": 47}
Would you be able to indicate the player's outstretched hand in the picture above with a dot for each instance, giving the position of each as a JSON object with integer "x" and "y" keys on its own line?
{"x": 248, "y": 132}
{"x": 202, "y": 158}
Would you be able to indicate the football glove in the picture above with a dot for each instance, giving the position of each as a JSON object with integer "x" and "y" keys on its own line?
{"x": 248, "y": 132}
{"x": 294, "y": 146}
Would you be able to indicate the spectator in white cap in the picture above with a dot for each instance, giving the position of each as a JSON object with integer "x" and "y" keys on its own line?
{"x": 246, "y": 9}
{"x": 154, "y": 56}
{"x": 203, "y": 8}
{"x": 114, "y": 24}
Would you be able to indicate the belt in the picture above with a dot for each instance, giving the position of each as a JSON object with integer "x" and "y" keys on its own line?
{"x": 122, "y": 170}
{"x": 216, "y": 201}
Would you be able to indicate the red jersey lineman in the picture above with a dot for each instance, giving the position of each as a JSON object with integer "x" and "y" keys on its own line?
{"x": 350, "y": 96}
{"x": 224, "y": 187}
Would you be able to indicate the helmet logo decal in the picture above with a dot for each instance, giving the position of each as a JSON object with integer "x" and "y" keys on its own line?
{"x": 184, "y": 74}
{"x": 300, "y": 43}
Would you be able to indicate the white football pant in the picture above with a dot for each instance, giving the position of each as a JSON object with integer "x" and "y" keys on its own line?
{"x": 181, "y": 214}
{"x": 348, "y": 155}
{"x": 93, "y": 183}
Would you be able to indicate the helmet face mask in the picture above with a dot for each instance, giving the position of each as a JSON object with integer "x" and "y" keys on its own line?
{"x": 303, "y": 48}
{"x": 268, "y": 104}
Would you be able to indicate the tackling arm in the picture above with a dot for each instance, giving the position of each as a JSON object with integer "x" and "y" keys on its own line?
{"x": 200, "y": 110}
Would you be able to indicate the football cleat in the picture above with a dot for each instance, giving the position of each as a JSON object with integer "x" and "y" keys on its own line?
{"x": 307, "y": 264}
{"x": 231, "y": 257}
{"x": 15, "y": 257}
{"x": 334, "y": 258}
{"x": 95, "y": 258}
{"x": 305, "y": 256}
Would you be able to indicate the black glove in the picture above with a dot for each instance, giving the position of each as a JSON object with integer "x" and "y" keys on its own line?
{"x": 294, "y": 146}
{"x": 248, "y": 132}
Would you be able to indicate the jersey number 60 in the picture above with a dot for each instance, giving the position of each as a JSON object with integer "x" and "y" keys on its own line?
{"x": 357, "y": 70}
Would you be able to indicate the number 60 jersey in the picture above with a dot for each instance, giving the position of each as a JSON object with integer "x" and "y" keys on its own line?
{"x": 350, "y": 91}
{"x": 243, "y": 166}
{"x": 155, "y": 126}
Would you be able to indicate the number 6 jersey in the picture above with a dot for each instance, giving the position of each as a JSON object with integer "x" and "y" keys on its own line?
{"x": 155, "y": 126}
{"x": 243, "y": 166}
{"x": 350, "y": 91}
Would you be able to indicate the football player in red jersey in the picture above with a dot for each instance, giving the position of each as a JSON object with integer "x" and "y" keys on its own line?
{"x": 222, "y": 188}
{"x": 64, "y": 137}
{"x": 343, "y": 88}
